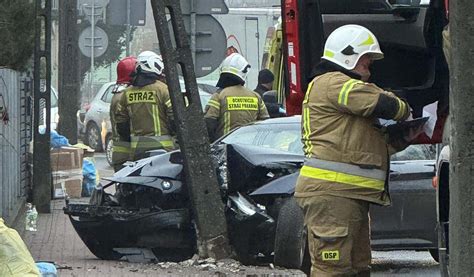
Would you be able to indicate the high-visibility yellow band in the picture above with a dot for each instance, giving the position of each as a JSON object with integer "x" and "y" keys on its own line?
{"x": 242, "y": 103}
{"x": 168, "y": 103}
{"x": 346, "y": 89}
{"x": 306, "y": 98}
{"x": 214, "y": 104}
{"x": 120, "y": 149}
{"x": 342, "y": 178}
{"x": 226, "y": 123}
{"x": 152, "y": 144}
{"x": 401, "y": 109}
{"x": 156, "y": 120}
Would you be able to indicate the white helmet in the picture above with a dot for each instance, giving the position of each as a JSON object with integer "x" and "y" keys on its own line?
{"x": 348, "y": 43}
{"x": 149, "y": 61}
{"x": 235, "y": 64}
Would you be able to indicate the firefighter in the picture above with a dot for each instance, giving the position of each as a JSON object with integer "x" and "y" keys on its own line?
{"x": 120, "y": 149}
{"x": 145, "y": 116}
{"x": 234, "y": 105}
{"x": 347, "y": 152}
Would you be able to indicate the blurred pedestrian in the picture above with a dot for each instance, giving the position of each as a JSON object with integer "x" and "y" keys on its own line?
{"x": 265, "y": 81}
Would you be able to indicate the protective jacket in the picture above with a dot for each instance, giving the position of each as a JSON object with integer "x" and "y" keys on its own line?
{"x": 148, "y": 112}
{"x": 234, "y": 106}
{"x": 121, "y": 149}
{"x": 346, "y": 148}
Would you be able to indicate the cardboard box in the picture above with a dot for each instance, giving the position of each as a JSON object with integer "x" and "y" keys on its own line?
{"x": 62, "y": 161}
{"x": 71, "y": 187}
{"x": 77, "y": 154}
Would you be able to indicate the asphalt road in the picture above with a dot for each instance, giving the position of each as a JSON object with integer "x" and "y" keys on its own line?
{"x": 389, "y": 263}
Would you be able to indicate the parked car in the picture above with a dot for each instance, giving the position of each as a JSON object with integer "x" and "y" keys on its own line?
{"x": 257, "y": 166}
{"x": 98, "y": 130}
{"x": 54, "y": 111}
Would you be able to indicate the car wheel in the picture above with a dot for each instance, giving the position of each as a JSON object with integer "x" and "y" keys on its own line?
{"x": 109, "y": 144}
{"x": 93, "y": 137}
{"x": 434, "y": 254}
{"x": 291, "y": 237}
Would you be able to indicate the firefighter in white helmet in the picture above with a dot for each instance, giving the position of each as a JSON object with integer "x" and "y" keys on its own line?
{"x": 233, "y": 105}
{"x": 347, "y": 152}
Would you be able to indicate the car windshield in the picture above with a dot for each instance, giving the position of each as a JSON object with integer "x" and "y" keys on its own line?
{"x": 416, "y": 152}
{"x": 287, "y": 137}
{"x": 280, "y": 136}
{"x": 204, "y": 99}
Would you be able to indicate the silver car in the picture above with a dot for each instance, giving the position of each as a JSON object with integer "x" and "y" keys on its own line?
{"x": 98, "y": 130}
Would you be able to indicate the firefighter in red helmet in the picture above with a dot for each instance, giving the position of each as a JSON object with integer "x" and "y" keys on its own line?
{"x": 125, "y": 72}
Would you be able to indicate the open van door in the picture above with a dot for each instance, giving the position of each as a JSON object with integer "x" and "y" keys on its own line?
{"x": 410, "y": 35}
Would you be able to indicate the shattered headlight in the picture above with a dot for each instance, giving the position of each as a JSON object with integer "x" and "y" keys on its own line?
{"x": 166, "y": 185}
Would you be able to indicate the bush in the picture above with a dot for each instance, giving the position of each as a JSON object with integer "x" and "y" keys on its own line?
{"x": 17, "y": 33}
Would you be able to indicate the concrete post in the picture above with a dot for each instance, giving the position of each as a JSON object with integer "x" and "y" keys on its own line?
{"x": 461, "y": 234}
{"x": 200, "y": 174}
{"x": 69, "y": 87}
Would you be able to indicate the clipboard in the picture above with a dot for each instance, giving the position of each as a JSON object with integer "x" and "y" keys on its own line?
{"x": 402, "y": 127}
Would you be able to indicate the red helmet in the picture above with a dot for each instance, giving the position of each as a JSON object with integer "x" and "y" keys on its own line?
{"x": 125, "y": 68}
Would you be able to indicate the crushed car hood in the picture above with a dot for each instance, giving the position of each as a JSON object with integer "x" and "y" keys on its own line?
{"x": 258, "y": 156}
{"x": 167, "y": 165}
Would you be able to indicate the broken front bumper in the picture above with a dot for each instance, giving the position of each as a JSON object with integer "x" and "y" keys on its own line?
{"x": 103, "y": 228}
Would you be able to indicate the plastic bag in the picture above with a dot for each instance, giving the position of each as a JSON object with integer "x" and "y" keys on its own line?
{"x": 89, "y": 173}
{"x": 15, "y": 259}
{"x": 58, "y": 140}
{"x": 47, "y": 269}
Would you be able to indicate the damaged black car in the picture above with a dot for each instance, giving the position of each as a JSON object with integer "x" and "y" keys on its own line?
{"x": 146, "y": 204}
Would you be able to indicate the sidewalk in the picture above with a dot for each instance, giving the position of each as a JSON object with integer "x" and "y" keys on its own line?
{"x": 56, "y": 241}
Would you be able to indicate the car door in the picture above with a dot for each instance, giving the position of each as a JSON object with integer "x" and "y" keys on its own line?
{"x": 409, "y": 32}
{"x": 410, "y": 221}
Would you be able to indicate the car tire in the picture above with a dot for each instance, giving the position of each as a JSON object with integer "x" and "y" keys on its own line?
{"x": 93, "y": 137}
{"x": 291, "y": 237}
{"x": 109, "y": 144}
{"x": 434, "y": 254}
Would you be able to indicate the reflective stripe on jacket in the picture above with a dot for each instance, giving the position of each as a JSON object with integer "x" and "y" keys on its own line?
{"x": 120, "y": 149}
{"x": 235, "y": 106}
{"x": 148, "y": 110}
{"x": 142, "y": 144}
{"x": 344, "y": 173}
{"x": 347, "y": 153}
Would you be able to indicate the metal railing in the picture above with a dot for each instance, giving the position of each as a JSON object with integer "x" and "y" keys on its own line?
{"x": 15, "y": 136}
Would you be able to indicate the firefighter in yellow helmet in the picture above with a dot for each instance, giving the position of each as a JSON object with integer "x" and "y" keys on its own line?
{"x": 125, "y": 72}
{"x": 233, "y": 105}
{"x": 347, "y": 152}
{"x": 145, "y": 116}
